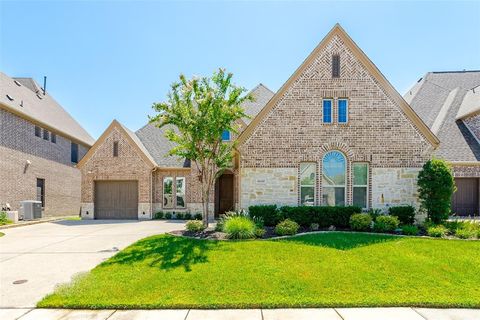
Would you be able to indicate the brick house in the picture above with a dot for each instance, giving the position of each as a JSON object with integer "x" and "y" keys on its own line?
{"x": 449, "y": 103}
{"x": 336, "y": 133}
{"x": 40, "y": 144}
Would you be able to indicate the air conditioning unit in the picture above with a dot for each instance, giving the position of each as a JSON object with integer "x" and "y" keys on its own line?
{"x": 31, "y": 209}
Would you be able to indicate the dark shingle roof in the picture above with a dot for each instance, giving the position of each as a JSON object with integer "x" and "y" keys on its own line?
{"x": 29, "y": 102}
{"x": 437, "y": 99}
{"x": 154, "y": 140}
{"x": 261, "y": 95}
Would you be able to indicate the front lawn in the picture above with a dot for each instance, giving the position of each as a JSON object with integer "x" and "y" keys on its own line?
{"x": 316, "y": 270}
{"x": 2, "y": 234}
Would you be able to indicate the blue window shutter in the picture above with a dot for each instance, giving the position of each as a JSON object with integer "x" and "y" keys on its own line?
{"x": 226, "y": 135}
{"x": 342, "y": 110}
{"x": 327, "y": 111}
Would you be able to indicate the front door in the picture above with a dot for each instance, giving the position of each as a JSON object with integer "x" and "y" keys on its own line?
{"x": 465, "y": 199}
{"x": 224, "y": 194}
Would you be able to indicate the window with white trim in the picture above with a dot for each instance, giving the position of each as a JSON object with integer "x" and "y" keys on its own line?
{"x": 360, "y": 184}
{"x": 180, "y": 194}
{"x": 327, "y": 110}
{"x": 342, "y": 110}
{"x": 168, "y": 192}
{"x": 307, "y": 183}
{"x": 334, "y": 167}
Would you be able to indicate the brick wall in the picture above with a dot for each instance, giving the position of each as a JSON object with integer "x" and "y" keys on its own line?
{"x": 129, "y": 165}
{"x": 49, "y": 161}
{"x": 377, "y": 132}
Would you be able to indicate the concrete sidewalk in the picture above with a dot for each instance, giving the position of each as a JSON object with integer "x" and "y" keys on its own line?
{"x": 246, "y": 314}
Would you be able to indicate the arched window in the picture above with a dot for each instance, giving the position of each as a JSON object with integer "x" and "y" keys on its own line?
{"x": 334, "y": 179}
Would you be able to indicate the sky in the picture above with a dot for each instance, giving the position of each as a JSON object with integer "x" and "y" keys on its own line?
{"x": 110, "y": 60}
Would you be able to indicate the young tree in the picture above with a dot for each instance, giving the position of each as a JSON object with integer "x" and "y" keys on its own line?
{"x": 201, "y": 109}
{"x": 436, "y": 187}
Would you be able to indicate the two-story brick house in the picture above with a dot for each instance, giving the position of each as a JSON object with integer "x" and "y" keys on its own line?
{"x": 336, "y": 133}
{"x": 40, "y": 144}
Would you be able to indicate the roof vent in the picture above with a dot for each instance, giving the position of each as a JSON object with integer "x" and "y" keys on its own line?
{"x": 17, "y": 83}
{"x": 9, "y": 97}
{"x": 39, "y": 95}
{"x": 419, "y": 80}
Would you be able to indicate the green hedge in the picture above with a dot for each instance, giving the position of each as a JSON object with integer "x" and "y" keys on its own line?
{"x": 406, "y": 214}
{"x": 306, "y": 215}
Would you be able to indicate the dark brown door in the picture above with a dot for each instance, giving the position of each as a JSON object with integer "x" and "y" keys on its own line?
{"x": 224, "y": 194}
{"x": 116, "y": 200}
{"x": 465, "y": 200}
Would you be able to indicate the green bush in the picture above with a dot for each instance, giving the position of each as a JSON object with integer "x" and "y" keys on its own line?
{"x": 268, "y": 213}
{"x": 360, "y": 222}
{"x": 386, "y": 224}
{"x": 260, "y": 232}
{"x": 437, "y": 231}
{"x": 198, "y": 216}
{"x": 405, "y": 214}
{"x": 188, "y": 216}
{"x": 219, "y": 225}
{"x": 323, "y": 215}
{"x": 168, "y": 216}
{"x": 4, "y": 218}
{"x": 179, "y": 216}
{"x": 410, "y": 230}
{"x": 194, "y": 226}
{"x": 465, "y": 233}
{"x": 287, "y": 227}
{"x": 435, "y": 189}
{"x": 239, "y": 227}
{"x": 314, "y": 226}
{"x": 158, "y": 215}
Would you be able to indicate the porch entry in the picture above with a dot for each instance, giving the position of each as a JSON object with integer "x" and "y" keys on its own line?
{"x": 224, "y": 194}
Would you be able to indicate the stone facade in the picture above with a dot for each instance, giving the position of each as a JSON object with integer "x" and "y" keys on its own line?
{"x": 268, "y": 186}
{"x": 48, "y": 160}
{"x": 394, "y": 186}
{"x": 466, "y": 170}
{"x": 128, "y": 165}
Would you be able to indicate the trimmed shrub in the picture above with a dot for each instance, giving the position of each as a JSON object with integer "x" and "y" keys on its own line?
{"x": 465, "y": 233}
{"x": 168, "y": 216}
{"x": 4, "y": 218}
{"x": 158, "y": 215}
{"x": 437, "y": 231}
{"x": 314, "y": 226}
{"x": 386, "y": 224}
{"x": 260, "y": 232}
{"x": 361, "y": 222}
{"x": 322, "y": 215}
{"x": 405, "y": 214}
{"x": 179, "y": 216}
{"x": 194, "y": 226}
{"x": 198, "y": 216}
{"x": 410, "y": 230}
{"x": 287, "y": 227}
{"x": 188, "y": 216}
{"x": 219, "y": 225}
{"x": 435, "y": 189}
{"x": 239, "y": 227}
{"x": 269, "y": 214}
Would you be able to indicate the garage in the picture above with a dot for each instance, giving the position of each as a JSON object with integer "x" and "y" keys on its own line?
{"x": 116, "y": 200}
{"x": 465, "y": 199}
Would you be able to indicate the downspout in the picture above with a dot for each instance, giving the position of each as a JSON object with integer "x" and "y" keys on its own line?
{"x": 151, "y": 192}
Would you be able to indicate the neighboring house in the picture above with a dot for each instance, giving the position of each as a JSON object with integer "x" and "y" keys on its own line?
{"x": 449, "y": 103}
{"x": 336, "y": 133}
{"x": 40, "y": 144}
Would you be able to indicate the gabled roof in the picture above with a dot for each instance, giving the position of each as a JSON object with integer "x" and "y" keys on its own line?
{"x": 30, "y": 103}
{"x": 261, "y": 95}
{"x": 443, "y": 100}
{"x": 154, "y": 140}
{"x": 470, "y": 104}
{"x": 133, "y": 139}
{"x": 360, "y": 55}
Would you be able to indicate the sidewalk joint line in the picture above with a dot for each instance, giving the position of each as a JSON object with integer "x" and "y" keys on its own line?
{"x": 188, "y": 312}
{"x": 261, "y": 313}
{"x": 335, "y": 309}
{"x": 111, "y": 314}
{"x": 26, "y": 313}
{"x": 418, "y": 313}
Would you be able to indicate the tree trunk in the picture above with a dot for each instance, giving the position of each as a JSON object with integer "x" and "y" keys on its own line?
{"x": 205, "y": 203}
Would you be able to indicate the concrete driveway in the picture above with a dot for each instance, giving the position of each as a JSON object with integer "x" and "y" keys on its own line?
{"x": 48, "y": 254}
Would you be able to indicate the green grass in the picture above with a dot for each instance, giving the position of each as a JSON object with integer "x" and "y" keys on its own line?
{"x": 318, "y": 270}
{"x": 73, "y": 218}
{"x": 2, "y": 234}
